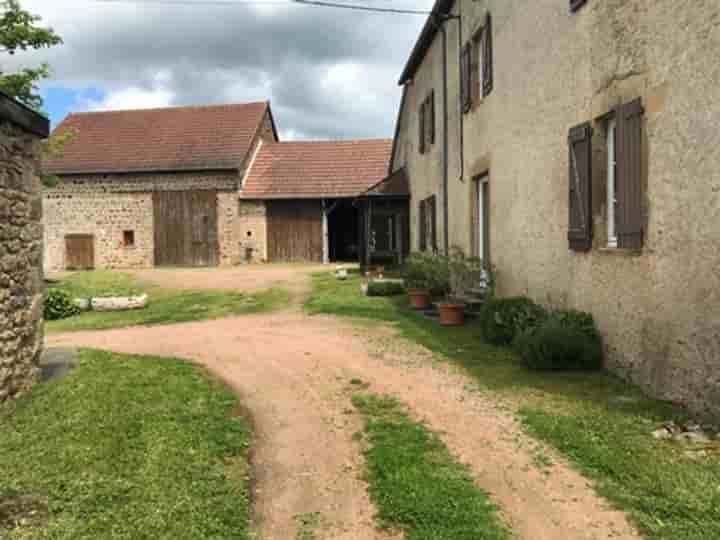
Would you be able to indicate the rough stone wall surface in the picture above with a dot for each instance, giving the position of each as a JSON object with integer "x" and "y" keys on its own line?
{"x": 21, "y": 279}
{"x": 659, "y": 310}
{"x": 107, "y": 205}
{"x": 252, "y": 231}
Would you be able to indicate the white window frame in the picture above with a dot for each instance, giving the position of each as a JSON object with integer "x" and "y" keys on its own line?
{"x": 481, "y": 232}
{"x": 611, "y": 183}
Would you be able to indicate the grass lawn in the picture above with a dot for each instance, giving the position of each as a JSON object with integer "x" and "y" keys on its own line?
{"x": 415, "y": 483}
{"x": 599, "y": 423}
{"x": 124, "y": 447}
{"x": 165, "y": 306}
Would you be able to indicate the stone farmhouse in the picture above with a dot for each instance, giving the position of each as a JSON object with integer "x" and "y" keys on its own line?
{"x": 574, "y": 144}
{"x": 202, "y": 186}
{"x": 21, "y": 277}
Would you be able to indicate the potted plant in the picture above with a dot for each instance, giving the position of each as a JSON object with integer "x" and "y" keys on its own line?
{"x": 464, "y": 274}
{"x": 417, "y": 275}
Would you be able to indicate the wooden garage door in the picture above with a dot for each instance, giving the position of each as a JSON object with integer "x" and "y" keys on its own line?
{"x": 185, "y": 228}
{"x": 79, "y": 252}
{"x": 294, "y": 231}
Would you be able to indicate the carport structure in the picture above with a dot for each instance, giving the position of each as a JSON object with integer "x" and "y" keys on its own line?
{"x": 307, "y": 190}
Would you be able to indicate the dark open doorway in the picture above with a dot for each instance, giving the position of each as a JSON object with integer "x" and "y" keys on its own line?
{"x": 343, "y": 231}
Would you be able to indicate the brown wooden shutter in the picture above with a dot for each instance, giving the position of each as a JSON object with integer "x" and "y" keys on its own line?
{"x": 466, "y": 77}
{"x": 422, "y": 218}
{"x": 630, "y": 193}
{"x": 433, "y": 222}
{"x": 580, "y": 201}
{"x": 487, "y": 57}
{"x": 421, "y": 128}
{"x": 432, "y": 116}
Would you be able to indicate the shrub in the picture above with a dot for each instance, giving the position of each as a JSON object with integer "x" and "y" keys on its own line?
{"x": 59, "y": 305}
{"x": 427, "y": 271}
{"x": 502, "y": 319}
{"x": 560, "y": 344}
{"x": 385, "y": 288}
{"x": 578, "y": 320}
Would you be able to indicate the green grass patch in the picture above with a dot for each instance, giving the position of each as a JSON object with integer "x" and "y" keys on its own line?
{"x": 599, "y": 422}
{"x": 165, "y": 306}
{"x": 125, "y": 447}
{"x": 101, "y": 283}
{"x": 416, "y": 484}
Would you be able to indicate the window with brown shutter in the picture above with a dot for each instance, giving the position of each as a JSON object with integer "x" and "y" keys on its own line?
{"x": 629, "y": 215}
{"x": 428, "y": 122}
{"x": 422, "y": 226}
{"x": 466, "y": 77}
{"x": 421, "y": 128}
{"x": 431, "y": 114}
{"x": 576, "y": 4}
{"x": 487, "y": 66}
{"x": 580, "y": 189}
{"x": 432, "y": 202}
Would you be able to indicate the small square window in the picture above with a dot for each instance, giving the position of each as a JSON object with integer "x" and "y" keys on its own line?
{"x": 129, "y": 239}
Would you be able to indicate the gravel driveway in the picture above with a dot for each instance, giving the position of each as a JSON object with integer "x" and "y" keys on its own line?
{"x": 293, "y": 373}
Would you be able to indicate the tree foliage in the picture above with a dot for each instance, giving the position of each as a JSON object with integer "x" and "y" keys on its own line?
{"x": 19, "y": 32}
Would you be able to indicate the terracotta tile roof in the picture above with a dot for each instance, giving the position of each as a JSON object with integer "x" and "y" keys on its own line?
{"x": 313, "y": 169}
{"x": 396, "y": 185}
{"x": 172, "y": 139}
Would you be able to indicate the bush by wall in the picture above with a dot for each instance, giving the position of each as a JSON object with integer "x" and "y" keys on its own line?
{"x": 561, "y": 343}
{"x": 502, "y": 319}
{"x": 385, "y": 288}
{"x": 59, "y": 305}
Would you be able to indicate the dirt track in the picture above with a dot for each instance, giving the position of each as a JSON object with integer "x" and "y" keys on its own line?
{"x": 293, "y": 373}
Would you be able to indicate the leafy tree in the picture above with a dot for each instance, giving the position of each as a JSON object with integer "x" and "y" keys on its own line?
{"x": 19, "y": 32}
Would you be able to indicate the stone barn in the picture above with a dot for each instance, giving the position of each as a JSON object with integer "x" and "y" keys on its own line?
{"x": 21, "y": 278}
{"x": 202, "y": 186}
{"x": 151, "y": 187}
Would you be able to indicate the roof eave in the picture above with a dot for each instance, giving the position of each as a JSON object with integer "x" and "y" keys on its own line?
{"x": 289, "y": 196}
{"x": 427, "y": 35}
{"x": 164, "y": 170}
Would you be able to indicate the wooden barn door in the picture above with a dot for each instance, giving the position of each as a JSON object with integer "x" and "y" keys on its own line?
{"x": 185, "y": 228}
{"x": 79, "y": 252}
{"x": 294, "y": 231}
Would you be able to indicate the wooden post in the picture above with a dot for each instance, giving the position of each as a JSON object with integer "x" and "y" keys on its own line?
{"x": 326, "y": 246}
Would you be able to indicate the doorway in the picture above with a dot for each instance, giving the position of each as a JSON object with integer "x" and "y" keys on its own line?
{"x": 343, "y": 231}
{"x": 482, "y": 219}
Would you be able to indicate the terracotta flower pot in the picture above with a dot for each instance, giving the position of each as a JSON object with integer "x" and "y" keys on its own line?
{"x": 419, "y": 298}
{"x": 451, "y": 314}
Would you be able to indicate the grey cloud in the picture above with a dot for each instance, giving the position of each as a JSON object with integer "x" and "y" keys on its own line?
{"x": 218, "y": 54}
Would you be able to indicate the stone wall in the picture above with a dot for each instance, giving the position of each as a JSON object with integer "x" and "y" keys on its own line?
{"x": 659, "y": 309}
{"x": 252, "y": 231}
{"x": 107, "y": 205}
{"x": 21, "y": 278}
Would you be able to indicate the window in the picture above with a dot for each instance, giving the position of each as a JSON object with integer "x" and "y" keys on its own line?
{"x": 466, "y": 78}
{"x": 611, "y": 185}
{"x": 426, "y": 121}
{"x": 426, "y": 222}
{"x": 128, "y": 239}
{"x": 482, "y": 224}
{"x": 576, "y": 5}
{"x": 476, "y": 67}
{"x": 624, "y": 181}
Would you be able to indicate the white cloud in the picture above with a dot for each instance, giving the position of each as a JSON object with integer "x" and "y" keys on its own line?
{"x": 133, "y": 98}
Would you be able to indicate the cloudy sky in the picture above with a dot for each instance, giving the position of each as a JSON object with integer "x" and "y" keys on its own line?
{"x": 329, "y": 73}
